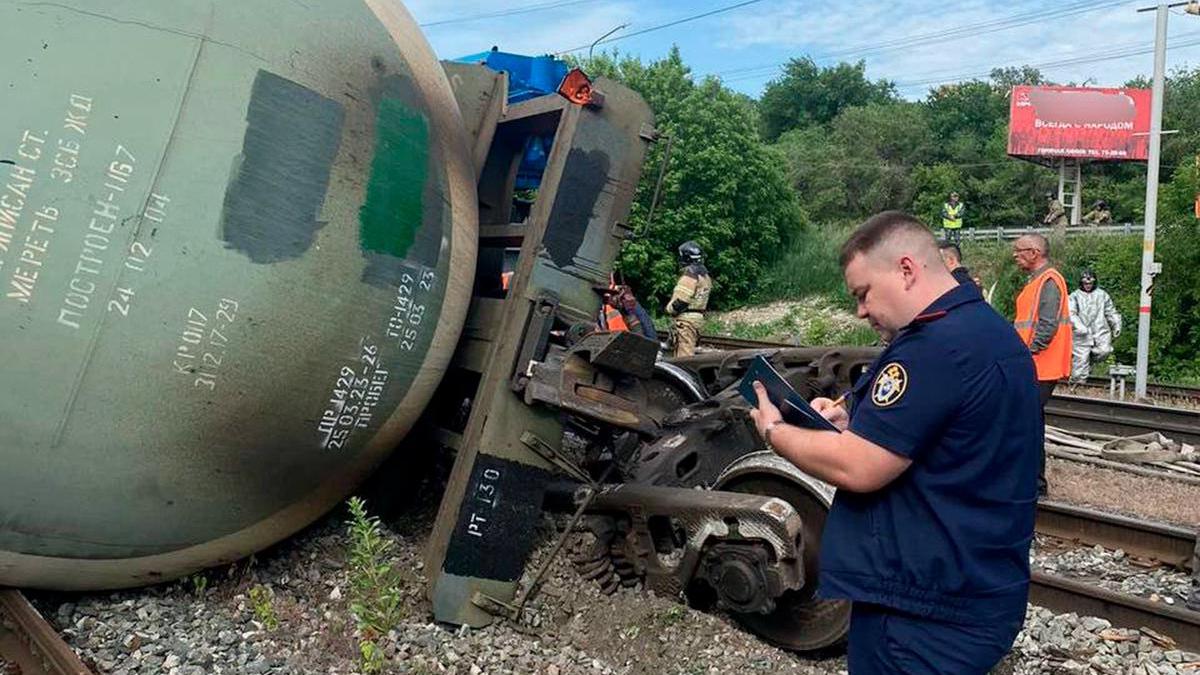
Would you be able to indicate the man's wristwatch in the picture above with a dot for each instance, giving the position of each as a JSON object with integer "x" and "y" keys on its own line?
{"x": 769, "y": 429}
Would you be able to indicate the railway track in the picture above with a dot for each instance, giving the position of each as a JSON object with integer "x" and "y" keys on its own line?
{"x": 1167, "y": 544}
{"x": 1119, "y": 418}
{"x": 29, "y": 645}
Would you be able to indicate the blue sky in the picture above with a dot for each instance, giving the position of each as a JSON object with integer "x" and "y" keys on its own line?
{"x": 744, "y": 46}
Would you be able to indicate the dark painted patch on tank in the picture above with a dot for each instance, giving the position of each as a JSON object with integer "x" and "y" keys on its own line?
{"x": 404, "y": 217}
{"x": 273, "y": 204}
{"x": 393, "y": 212}
{"x": 584, "y": 178}
{"x": 384, "y": 270}
{"x": 494, "y": 534}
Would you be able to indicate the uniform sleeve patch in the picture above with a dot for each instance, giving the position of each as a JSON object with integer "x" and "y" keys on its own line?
{"x": 890, "y": 385}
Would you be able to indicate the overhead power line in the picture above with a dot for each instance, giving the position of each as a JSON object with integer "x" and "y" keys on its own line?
{"x": 1100, "y": 57}
{"x": 969, "y": 30}
{"x": 663, "y": 26}
{"x": 515, "y": 11}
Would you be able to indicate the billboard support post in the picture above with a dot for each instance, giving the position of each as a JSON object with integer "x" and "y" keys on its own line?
{"x": 1070, "y": 188}
{"x": 1149, "y": 266}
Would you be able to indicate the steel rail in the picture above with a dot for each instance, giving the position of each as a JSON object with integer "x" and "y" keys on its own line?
{"x": 1155, "y": 390}
{"x": 30, "y": 642}
{"x": 1079, "y": 413}
{"x": 1063, "y": 595}
{"x": 731, "y": 343}
{"x": 1169, "y": 544}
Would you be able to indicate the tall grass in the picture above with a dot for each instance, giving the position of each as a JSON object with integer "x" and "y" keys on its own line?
{"x": 808, "y": 267}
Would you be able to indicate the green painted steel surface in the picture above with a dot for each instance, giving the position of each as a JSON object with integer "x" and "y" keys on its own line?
{"x": 236, "y": 246}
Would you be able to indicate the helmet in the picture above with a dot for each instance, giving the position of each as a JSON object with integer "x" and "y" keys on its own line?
{"x": 1086, "y": 277}
{"x": 689, "y": 253}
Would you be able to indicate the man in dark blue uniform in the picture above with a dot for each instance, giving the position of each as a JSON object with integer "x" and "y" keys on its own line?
{"x": 936, "y": 466}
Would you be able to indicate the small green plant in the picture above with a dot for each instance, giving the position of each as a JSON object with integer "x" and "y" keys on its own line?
{"x": 672, "y": 615}
{"x": 199, "y": 584}
{"x": 261, "y": 599}
{"x": 370, "y": 657}
{"x": 375, "y": 584}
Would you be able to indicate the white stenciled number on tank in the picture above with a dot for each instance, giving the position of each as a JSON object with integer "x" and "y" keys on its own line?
{"x": 203, "y": 344}
{"x": 408, "y": 315}
{"x": 98, "y": 239}
{"x": 357, "y": 391}
{"x": 139, "y": 254}
{"x": 485, "y": 494}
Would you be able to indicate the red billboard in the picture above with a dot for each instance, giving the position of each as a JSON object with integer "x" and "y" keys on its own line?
{"x": 1080, "y": 123}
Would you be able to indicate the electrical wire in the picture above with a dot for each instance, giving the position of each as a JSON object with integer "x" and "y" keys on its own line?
{"x": 938, "y": 37}
{"x": 663, "y": 26}
{"x": 516, "y": 11}
{"x": 1110, "y": 55}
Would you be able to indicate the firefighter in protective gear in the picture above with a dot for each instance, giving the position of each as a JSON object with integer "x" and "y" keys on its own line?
{"x": 952, "y": 218}
{"x": 1099, "y": 215}
{"x": 690, "y": 299}
{"x": 1096, "y": 324}
{"x": 1056, "y": 215}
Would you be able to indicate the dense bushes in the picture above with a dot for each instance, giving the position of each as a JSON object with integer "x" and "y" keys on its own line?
{"x": 725, "y": 189}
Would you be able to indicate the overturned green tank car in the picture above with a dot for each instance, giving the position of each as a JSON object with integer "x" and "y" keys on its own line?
{"x": 237, "y": 241}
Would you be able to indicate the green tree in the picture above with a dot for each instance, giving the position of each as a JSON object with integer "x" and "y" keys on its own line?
{"x": 808, "y": 94}
{"x": 1007, "y": 78}
{"x": 964, "y": 116}
{"x": 725, "y": 188}
{"x": 882, "y": 142}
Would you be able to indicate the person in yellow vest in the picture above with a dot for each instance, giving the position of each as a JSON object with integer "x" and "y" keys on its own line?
{"x": 1043, "y": 320}
{"x": 952, "y": 218}
{"x": 690, "y": 299}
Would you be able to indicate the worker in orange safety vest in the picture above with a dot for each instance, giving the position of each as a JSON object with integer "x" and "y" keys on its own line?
{"x": 1043, "y": 320}
{"x": 621, "y": 311}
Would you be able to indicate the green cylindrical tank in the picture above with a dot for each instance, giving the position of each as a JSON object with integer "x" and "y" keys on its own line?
{"x": 237, "y": 241}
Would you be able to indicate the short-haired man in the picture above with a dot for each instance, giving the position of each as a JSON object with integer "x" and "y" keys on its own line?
{"x": 1043, "y": 320}
{"x": 936, "y": 466}
{"x": 952, "y": 256}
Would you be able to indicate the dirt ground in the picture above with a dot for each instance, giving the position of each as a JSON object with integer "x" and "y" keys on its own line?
{"x": 1121, "y": 492}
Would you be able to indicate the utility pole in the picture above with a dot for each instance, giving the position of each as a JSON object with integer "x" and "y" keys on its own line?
{"x": 1149, "y": 266}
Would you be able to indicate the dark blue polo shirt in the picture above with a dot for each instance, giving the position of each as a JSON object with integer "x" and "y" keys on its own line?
{"x": 949, "y": 539}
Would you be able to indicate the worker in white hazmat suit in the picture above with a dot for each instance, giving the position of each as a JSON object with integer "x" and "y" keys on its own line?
{"x": 1096, "y": 324}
